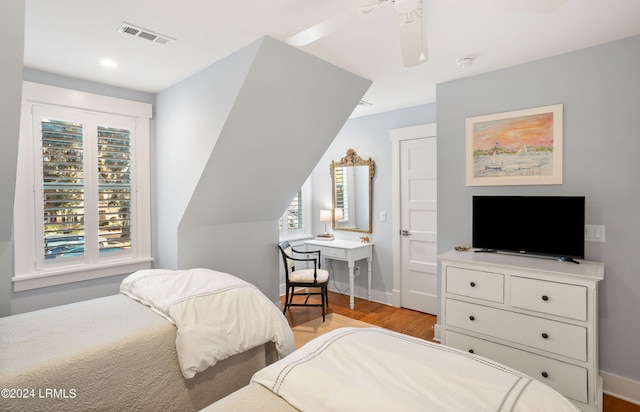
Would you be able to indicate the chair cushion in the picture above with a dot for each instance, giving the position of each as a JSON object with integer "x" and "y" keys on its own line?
{"x": 306, "y": 276}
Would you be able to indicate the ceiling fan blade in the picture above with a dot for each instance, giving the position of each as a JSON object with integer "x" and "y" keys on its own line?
{"x": 413, "y": 42}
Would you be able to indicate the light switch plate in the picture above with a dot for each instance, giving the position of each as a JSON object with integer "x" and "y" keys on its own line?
{"x": 594, "y": 233}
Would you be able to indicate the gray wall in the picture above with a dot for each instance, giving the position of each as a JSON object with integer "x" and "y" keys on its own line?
{"x": 236, "y": 142}
{"x": 369, "y": 136}
{"x": 12, "y": 46}
{"x": 600, "y": 90}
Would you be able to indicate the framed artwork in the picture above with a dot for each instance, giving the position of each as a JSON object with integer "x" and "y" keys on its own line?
{"x": 522, "y": 147}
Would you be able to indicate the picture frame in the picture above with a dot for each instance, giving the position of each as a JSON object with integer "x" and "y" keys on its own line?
{"x": 522, "y": 147}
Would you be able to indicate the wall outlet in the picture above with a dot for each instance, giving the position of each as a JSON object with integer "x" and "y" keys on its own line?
{"x": 594, "y": 233}
{"x": 356, "y": 271}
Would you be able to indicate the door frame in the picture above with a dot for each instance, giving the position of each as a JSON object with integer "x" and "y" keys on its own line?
{"x": 398, "y": 135}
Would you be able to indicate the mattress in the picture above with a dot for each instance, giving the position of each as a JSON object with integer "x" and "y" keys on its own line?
{"x": 108, "y": 354}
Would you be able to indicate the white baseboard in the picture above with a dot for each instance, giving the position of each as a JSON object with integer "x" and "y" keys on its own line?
{"x": 621, "y": 387}
{"x": 360, "y": 292}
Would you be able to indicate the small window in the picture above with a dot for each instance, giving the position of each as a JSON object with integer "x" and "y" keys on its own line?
{"x": 294, "y": 212}
{"x": 296, "y": 215}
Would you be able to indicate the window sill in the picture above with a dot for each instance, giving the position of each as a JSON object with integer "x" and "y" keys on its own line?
{"x": 70, "y": 274}
{"x": 296, "y": 238}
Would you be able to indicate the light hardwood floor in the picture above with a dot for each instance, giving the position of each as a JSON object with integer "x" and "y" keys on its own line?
{"x": 404, "y": 321}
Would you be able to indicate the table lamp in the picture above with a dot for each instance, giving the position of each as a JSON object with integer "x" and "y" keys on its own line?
{"x": 325, "y": 217}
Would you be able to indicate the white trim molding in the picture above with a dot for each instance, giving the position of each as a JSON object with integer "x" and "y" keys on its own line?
{"x": 621, "y": 387}
{"x": 27, "y": 274}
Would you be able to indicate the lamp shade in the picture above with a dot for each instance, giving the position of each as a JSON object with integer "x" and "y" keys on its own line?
{"x": 325, "y": 215}
{"x": 339, "y": 214}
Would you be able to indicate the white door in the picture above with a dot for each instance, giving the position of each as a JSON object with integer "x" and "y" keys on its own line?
{"x": 418, "y": 224}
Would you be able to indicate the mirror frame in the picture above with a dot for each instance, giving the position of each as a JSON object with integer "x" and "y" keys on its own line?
{"x": 351, "y": 159}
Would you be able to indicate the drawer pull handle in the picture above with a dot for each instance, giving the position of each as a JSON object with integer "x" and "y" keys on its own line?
{"x": 545, "y": 298}
{"x": 545, "y": 336}
{"x": 472, "y": 284}
{"x": 472, "y": 318}
{"x": 545, "y": 375}
{"x": 471, "y": 351}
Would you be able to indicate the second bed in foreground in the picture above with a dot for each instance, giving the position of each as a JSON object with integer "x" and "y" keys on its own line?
{"x": 374, "y": 369}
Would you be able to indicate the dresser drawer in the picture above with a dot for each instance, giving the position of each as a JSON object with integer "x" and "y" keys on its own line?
{"x": 549, "y": 335}
{"x": 475, "y": 284}
{"x": 570, "y": 380}
{"x": 327, "y": 252}
{"x": 560, "y": 299}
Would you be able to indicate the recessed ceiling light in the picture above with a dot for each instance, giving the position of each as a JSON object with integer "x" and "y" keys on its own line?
{"x": 109, "y": 63}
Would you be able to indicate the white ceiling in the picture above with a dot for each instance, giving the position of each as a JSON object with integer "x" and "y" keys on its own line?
{"x": 70, "y": 37}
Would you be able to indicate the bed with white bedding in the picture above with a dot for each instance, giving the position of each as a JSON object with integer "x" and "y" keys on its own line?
{"x": 171, "y": 341}
{"x": 374, "y": 369}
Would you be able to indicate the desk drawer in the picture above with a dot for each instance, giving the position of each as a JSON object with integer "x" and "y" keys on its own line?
{"x": 328, "y": 252}
{"x": 475, "y": 284}
{"x": 570, "y": 380}
{"x": 549, "y": 335}
{"x": 560, "y": 299}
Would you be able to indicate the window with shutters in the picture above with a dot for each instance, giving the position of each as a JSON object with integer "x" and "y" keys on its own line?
{"x": 294, "y": 213}
{"x": 88, "y": 174}
{"x": 62, "y": 190}
{"x": 294, "y": 222}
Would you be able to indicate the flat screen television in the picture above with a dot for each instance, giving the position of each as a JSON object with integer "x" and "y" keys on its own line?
{"x": 532, "y": 225}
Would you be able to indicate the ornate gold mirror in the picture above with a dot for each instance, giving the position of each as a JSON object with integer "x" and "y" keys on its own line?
{"x": 352, "y": 186}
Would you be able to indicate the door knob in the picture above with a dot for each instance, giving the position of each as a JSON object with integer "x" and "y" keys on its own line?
{"x": 405, "y": 233}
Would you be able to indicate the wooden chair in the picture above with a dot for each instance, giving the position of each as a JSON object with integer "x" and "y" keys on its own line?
{"x": 303, "y": 278}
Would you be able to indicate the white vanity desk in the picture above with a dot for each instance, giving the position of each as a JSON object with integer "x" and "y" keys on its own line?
{"x": 346, "y": 251}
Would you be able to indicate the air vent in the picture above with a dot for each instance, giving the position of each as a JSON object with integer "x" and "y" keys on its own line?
{"x": 135, "y": 31}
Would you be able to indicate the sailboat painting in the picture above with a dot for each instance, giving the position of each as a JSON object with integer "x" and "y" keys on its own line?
{"x": 515, "y": 148}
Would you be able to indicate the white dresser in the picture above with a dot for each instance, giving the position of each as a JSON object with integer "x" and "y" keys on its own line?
{"x": 533, "y": 314}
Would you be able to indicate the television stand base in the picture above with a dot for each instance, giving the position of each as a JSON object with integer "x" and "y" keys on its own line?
{"x": 486, "y": 251}
{"x": 567, "y": 259}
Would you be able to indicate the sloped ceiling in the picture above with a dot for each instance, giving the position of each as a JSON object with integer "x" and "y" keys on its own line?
{"x": 235, "y": 142}
{"x": 288, "y": 111}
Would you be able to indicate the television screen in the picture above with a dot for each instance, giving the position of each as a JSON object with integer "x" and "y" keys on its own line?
{"x": 536, "y": 225}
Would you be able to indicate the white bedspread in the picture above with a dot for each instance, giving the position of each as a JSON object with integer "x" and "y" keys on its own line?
{"x": 217, "y": 315}
{"x": 373, "y": 369}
